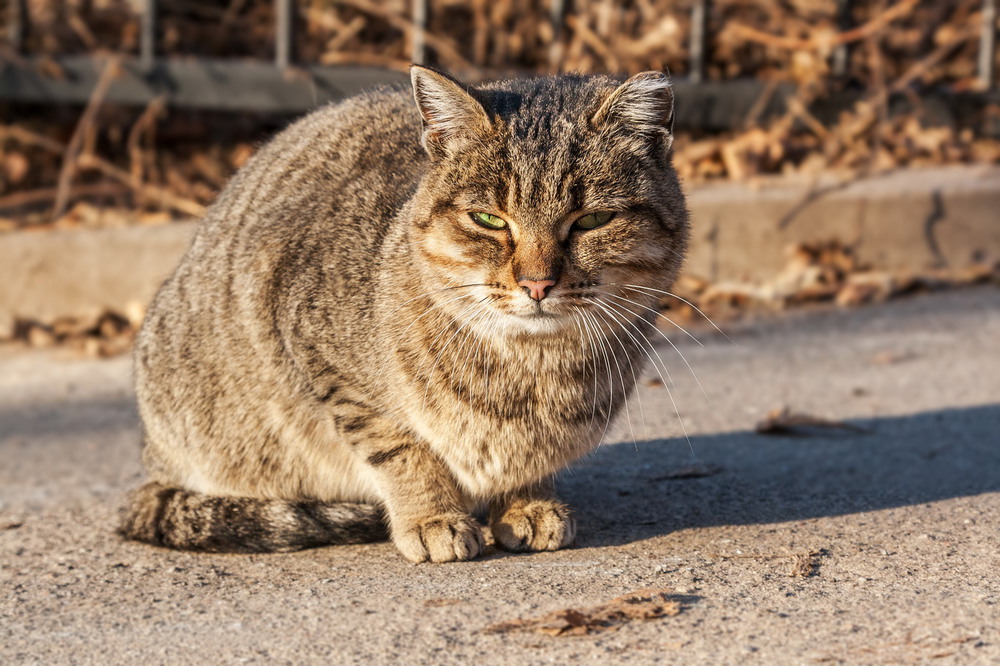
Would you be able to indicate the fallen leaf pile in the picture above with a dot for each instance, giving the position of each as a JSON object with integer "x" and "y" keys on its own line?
{"x": 639, "y": 605}
{"x": 765, "y": 39}
{"x": 105, "y": 334}
{"x": 819, "y": 272}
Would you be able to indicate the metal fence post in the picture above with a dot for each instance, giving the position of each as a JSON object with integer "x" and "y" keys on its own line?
{"x": 147, "y": 35}
{"x": 699, "y": 26}
{"x": 840, "y": 52}
{"x": 557, "y": 14}
{"x": 418, "y": 46}
{"x": 988, "y": 44}
{"x": 17, "y": 15}
{"x": 283, "y": 32}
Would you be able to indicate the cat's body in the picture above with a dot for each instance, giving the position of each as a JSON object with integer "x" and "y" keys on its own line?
{"x": 346, "y": 343}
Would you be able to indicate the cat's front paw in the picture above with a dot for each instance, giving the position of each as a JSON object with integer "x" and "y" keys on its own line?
{"x": 535, "y": 525}
{"x": 447, "y": 537}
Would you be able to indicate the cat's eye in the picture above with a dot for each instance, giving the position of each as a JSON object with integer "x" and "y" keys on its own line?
{"x": 488, "y": 221}
{"x": 593, "y": 220}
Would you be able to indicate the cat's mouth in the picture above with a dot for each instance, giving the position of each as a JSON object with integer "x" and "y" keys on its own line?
{"x": 544, "y": 313}
{"x": 541, "y": 314}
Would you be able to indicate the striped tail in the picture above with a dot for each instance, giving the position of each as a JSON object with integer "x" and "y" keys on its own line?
{"x": 185, "y": 520}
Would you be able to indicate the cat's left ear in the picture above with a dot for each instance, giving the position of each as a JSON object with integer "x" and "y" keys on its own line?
{"x": 644, "y": 104}
{"x": 451, "y": 116}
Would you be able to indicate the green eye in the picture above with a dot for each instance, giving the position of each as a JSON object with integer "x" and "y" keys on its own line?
{"x": 488, "y": 221}
{"x": 593, "y": 220}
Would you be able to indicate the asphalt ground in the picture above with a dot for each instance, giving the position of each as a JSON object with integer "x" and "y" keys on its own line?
{"x": 871, "y": 543}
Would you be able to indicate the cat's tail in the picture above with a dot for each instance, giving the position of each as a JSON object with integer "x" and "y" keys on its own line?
{"x": 182, "y": 519}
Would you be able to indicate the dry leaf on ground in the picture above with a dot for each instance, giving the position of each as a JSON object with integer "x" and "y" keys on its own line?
{"x": 783, "y": 421}
{"x": 695, "y": 471}
{"x": 639, "y": 605}
{"x": 892, "y": 357}
{"x": 804, "y": 565}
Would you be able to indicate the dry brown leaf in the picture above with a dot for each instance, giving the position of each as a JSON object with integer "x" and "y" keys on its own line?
{"x": 99, "y": 335}
{"x": 638, "y": 605}
{"x": 866, "y": 288}
{"x": 892, "y": 357}
{"x": 804, "y": 565}
{"x": 39, "y": 336}
{"x": 696, "y": 471}
{"x": 783, "y": 421}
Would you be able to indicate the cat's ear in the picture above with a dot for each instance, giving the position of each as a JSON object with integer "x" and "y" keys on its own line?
{"x": 644, "y": 103}
{"x": 451, "y": 116}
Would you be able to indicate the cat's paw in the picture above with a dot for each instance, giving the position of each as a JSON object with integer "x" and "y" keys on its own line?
{"x": 447, "y": 537}
{"x": 535, "y": 525}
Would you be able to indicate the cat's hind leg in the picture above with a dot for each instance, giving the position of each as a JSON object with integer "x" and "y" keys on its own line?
{"x": 178, "y": 518}
{"x": 531, "y": 519}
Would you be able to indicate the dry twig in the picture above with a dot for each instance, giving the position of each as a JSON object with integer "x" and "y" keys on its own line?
{"x": 82, "y": 127}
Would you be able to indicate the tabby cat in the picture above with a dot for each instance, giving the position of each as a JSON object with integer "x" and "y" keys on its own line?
{"x": 398, "y": 314}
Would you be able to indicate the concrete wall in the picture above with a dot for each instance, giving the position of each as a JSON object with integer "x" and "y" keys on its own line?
{"x": 910, "y": 219}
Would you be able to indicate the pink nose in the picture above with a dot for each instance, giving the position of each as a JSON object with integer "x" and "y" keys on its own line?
{"x": 537, "y": 289}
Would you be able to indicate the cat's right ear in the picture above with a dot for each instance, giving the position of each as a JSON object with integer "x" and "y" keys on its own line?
{"x": 451, "y": 117}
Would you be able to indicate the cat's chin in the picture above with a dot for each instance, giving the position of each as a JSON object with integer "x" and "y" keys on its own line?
{"x": 540, "y": 323}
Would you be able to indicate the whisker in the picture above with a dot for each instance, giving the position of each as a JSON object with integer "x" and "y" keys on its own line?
{"x": 658, "y": 314}
{"x": 628, "y": 357}
{"x": 607, "y": 362}
{"x": 428, "y": 293}
{"x": 671, "y": 343}
{"x": 590, "y": 362}
{"x": 668, "y": 382}
{"x": 593, "y": 349}
{"x": 683, "y": 300}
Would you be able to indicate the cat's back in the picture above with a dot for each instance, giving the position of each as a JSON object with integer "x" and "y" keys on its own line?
{"x": 300, "y": 225}
{"x": 331, "y": 168}
{"x": 320, "y": 193}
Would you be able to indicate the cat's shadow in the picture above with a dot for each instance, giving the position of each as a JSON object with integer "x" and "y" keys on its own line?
{"x": 628, "y": 492}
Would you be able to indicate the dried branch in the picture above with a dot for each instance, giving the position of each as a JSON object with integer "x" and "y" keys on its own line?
{"x": 596, "y": 43}
{"x": 86, "y": 121}
{"x": 151, "y": 192}
{"x": 828, "y": 41}
{"x": 46, "y": 194}
{"x": 166, "y": 198}
{"x": 144, "y": 124}
{"x": 445, "y": 48}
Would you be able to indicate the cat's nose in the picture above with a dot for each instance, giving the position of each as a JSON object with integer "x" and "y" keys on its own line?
{"x": 537, "y": 289}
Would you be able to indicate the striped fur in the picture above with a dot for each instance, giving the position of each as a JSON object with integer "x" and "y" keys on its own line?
{"x": 343, "y": 347}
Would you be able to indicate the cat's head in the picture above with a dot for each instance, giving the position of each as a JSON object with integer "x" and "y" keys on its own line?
{"x": 555, "y": 197}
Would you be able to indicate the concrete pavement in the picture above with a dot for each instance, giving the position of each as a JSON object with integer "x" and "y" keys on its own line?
{"x": 897, "y": 525}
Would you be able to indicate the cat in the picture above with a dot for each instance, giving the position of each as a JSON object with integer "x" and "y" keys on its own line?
{"x": 406, "y": 308}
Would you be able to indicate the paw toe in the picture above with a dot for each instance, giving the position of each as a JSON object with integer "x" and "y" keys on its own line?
{"x": 539, "y": 525}
{"x": 444, "y": 538}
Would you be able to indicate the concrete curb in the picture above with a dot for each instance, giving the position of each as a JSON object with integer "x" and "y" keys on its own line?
{"x": 911, "y": 219}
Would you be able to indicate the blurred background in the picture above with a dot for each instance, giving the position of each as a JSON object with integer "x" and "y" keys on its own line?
{"x": 834, "y": 151}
